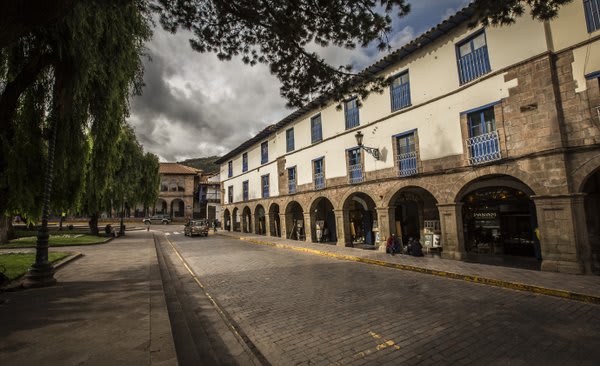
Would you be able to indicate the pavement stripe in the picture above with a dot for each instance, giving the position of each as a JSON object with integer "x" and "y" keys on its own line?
{"x": 440, "y": 273}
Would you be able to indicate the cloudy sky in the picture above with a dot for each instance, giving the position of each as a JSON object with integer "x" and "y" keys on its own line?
{"x": 194, "y": 105}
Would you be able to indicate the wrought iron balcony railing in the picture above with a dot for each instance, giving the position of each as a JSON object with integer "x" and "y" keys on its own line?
{"x": 484, "y": 148}
{"x": 407, "y": 164}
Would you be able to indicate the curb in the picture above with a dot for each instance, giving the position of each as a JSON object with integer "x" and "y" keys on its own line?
{"x": 591, "y": 299}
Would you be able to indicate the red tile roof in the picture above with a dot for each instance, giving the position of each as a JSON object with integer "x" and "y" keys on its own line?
{"x": 174, "y": 168}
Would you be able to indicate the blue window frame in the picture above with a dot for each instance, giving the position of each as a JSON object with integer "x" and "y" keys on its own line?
{"x": 592, "y": 14}
{"x": 355, "y": 166}
{"x": 351, "y": 113}
{"x": 407, "y": 154}
{"x": 230, "y": 194}
{"x": 316, "y": 133}
{"x": 264, "y": 152}
{"x": 289, "y": 139}
{"x": 483, "y": 142}
{"x": 264, "y": 180}
{"x": 245, "y": 162}
{"x": 291, "y": 180}
{"x": 245, "y": 190}
{"x": 473, "y": 59}
{"x": 319, "y": 173}
{"x": 230, "y": 169}
{"x": 400, "y": 91}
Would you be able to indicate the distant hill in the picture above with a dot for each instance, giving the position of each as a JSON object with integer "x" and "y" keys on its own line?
{"x": 206, "y": 164}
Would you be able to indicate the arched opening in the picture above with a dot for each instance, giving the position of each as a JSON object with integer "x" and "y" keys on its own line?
{"x": 235, "y": 219}
{"x": 160, "y": 207}
{"x": 591, "y": 188}
{"x": 275, "y": 221}
{"x": 226, "y": 220}
{"x": 294, "y": 221}
{"x": 260, "y": 220}
{"x": 246, "y": 220}
{"x": 177, "y": 208}
{"x": 416, "y": 216}
{"x": 500, "y": 222}
{"x": 360, "y": 217}
{"x": 322, "y": 221}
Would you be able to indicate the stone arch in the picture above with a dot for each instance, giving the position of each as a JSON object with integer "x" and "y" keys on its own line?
{"x": 274, "y": 220}
{"x": 359, "y": 216}
{"x": 590, "y": 230}
{"x": 294, "y": 221}
{"x": 586, "y": 170}
{"x": 161, "y": 207}
{"x": 226, "y": 220}
{"x": 322, "y": 220}
{"x": 401, "y": 185}
{"x": 366, "y": 190}
{"x": 177, "y": 208}
{"x": 246, "y": 220}
{"x": 414, "y": 214}
{"x": 260, "y": 224}
{"x": 526, "y": 178}
{"x": 235, "y": 219}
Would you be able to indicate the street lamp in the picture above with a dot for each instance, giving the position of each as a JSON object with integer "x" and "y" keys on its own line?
{"x": 371, "y": 150}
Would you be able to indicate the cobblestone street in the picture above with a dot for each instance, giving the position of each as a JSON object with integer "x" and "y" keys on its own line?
{"x": 302, "y": 309}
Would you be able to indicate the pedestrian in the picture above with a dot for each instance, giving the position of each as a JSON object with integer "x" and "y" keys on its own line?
{"x": 390, "y": 244}
{"x": 397, "y": 244}
{"x": 214, "y": 225}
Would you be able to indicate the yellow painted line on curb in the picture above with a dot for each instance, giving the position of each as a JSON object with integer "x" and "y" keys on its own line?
{"x": 446, "y": 274}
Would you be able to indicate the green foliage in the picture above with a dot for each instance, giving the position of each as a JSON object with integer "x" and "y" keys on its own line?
{"x": 56, "y": 240}
{"x": 207, "y": 165}
{"x": 16, "y": 264}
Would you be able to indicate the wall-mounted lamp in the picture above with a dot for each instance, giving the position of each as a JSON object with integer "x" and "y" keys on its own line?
{"x": 371, "y": 150}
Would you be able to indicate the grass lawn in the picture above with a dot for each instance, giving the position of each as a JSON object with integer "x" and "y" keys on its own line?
{"x": 16, "y": 264}
{"x": 59, "y": 240}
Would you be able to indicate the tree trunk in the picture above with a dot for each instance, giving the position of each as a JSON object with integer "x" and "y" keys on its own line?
{"x": 94, "y": 224}
{"x": 4, "y": 229}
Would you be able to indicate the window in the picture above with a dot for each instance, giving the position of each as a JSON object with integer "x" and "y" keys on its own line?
{"x": 316, "y": 133}
{"x": 355, "y": 166}
{"x": 319, "y": 173}
{"x": 264, "y": 152}
{"x": 180, "y": 187}
{"x": 291, "y": 180}
{"x": 400, "y": 92}
{"x": 230, "y": 169}
{"x": 351, "y": 113}
{"x": 483, "y": 142}
{"x": 230, "y": 194}
{"x": 173, "y": 187}
{"x": 164, "y": 187}
{"x": 473, "y": 60}
{"x": 289, "y": 139}
{"x": 592, "y": 14}
{"x": 406, "y": 154}
{"x": 265, "y": 185}
{"x": 245, "y": 162}
{"x": 245, "y": 190}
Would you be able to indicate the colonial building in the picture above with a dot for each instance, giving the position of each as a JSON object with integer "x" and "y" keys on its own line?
{"x": 486, "y": 144}
{"x": 209, "y": 198}
{"x": 177, "y": 187}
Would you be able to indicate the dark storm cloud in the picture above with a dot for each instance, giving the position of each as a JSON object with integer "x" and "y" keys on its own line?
{"x": 194, "y": 105}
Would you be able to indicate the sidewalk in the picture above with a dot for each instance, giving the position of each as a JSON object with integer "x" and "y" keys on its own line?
{"x": 575, "y": 287}
{"x": 108, "y": 308}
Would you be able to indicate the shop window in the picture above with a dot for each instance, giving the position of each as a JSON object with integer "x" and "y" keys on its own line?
{"x": 592, "y": 14}
{"x": 316, "y": 133}
{"x": 289, "y": 139}
{"x": 473, "y": 59}
{"x": 355, "y": 172}
{"x": 400, "y": 92}
{"x": 351, "y": 113}
{"x": 264, "y": 152}
{"x": 483, "y": 142}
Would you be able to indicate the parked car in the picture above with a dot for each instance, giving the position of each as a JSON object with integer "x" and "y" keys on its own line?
{"x": 196, "y": 227}
{"x": 157, "y": 219}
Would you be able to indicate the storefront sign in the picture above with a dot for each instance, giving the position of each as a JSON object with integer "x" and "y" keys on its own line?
{"x": 485, "y": 215}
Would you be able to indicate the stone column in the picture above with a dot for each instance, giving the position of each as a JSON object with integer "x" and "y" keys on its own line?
{"x": 307, "y": 227}
{"x": 453, "y": 242}
{"x": 267, "y": 224}
{"x": 342, "y": 227}
{"x": 563, "y": 232}
{"x": 385, "y": 217}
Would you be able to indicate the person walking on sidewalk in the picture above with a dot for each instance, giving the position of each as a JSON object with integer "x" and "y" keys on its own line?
{"x": 391, "y": 242}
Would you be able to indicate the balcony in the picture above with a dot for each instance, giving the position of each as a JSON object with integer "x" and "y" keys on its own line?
{"x": 291, "y": 186}
{"x": 319, "y": 180}
{"x": 407, "y": 164}
{"x": 484, "y": 148}
{"x": 355, "y": 173}
{"x": 474, "y": 64}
